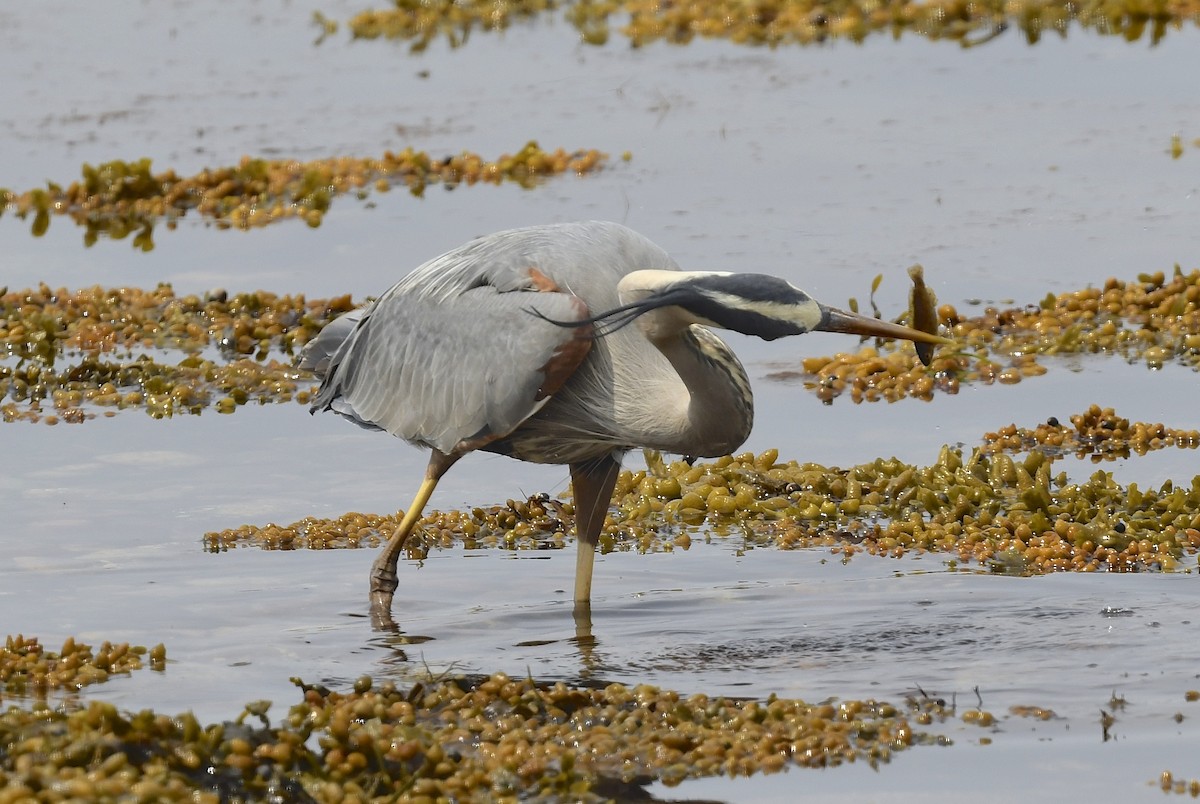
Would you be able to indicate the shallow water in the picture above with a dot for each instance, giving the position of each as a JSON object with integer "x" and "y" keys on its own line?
{"x": 1008, "y": 171}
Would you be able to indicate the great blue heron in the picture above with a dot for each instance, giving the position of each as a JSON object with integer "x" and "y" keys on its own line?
{"x": 516, "y": 343}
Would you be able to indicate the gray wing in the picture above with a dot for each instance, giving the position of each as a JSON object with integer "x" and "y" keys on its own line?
{"x": 318, "y": 352}
{"x": 456, "y": 355}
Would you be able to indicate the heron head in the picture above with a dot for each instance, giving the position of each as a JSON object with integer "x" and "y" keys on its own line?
{"x": 753, "y": 304}
{"x": 757, "y": 304}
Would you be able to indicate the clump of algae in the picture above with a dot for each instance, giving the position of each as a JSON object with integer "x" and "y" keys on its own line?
{"x": 775, "y": 23}
{"x": 120, "y": 198}
{"x": 27, "y": 669}
{"x": 1170, "y": 783}
{"x": 1153, "y": 320}
{"x": 495, "y": 738}
{"x": 90, "y": 349}
{"x": 991, "y": 507}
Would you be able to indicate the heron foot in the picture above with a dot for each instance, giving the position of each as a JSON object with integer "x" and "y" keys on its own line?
{"x": 384, "y": 581}
{"x": 383, "y": 584}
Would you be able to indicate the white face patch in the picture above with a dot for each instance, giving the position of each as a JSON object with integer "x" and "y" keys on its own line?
{"x": 805, "y": 315}
{"x": 808, "y": 314}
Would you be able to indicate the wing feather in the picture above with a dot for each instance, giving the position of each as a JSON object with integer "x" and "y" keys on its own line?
{"x": 451, "y": 372}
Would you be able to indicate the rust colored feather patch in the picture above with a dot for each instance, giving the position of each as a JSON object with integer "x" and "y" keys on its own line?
{"x": 570, "y": 354}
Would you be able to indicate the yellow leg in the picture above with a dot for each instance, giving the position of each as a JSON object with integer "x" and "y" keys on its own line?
{"x": 383, "y": 572}
{"x": 592, "y": 485}
{"x": 585, "y": 560}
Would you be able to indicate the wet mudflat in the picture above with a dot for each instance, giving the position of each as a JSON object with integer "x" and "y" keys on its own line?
{"x": 1008, "y": 171}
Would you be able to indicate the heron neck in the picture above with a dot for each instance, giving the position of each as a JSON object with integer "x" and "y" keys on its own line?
{"x": 719, "y": 410}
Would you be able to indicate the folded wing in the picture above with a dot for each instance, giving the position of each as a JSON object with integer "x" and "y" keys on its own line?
{"x": 454, "y": 356}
